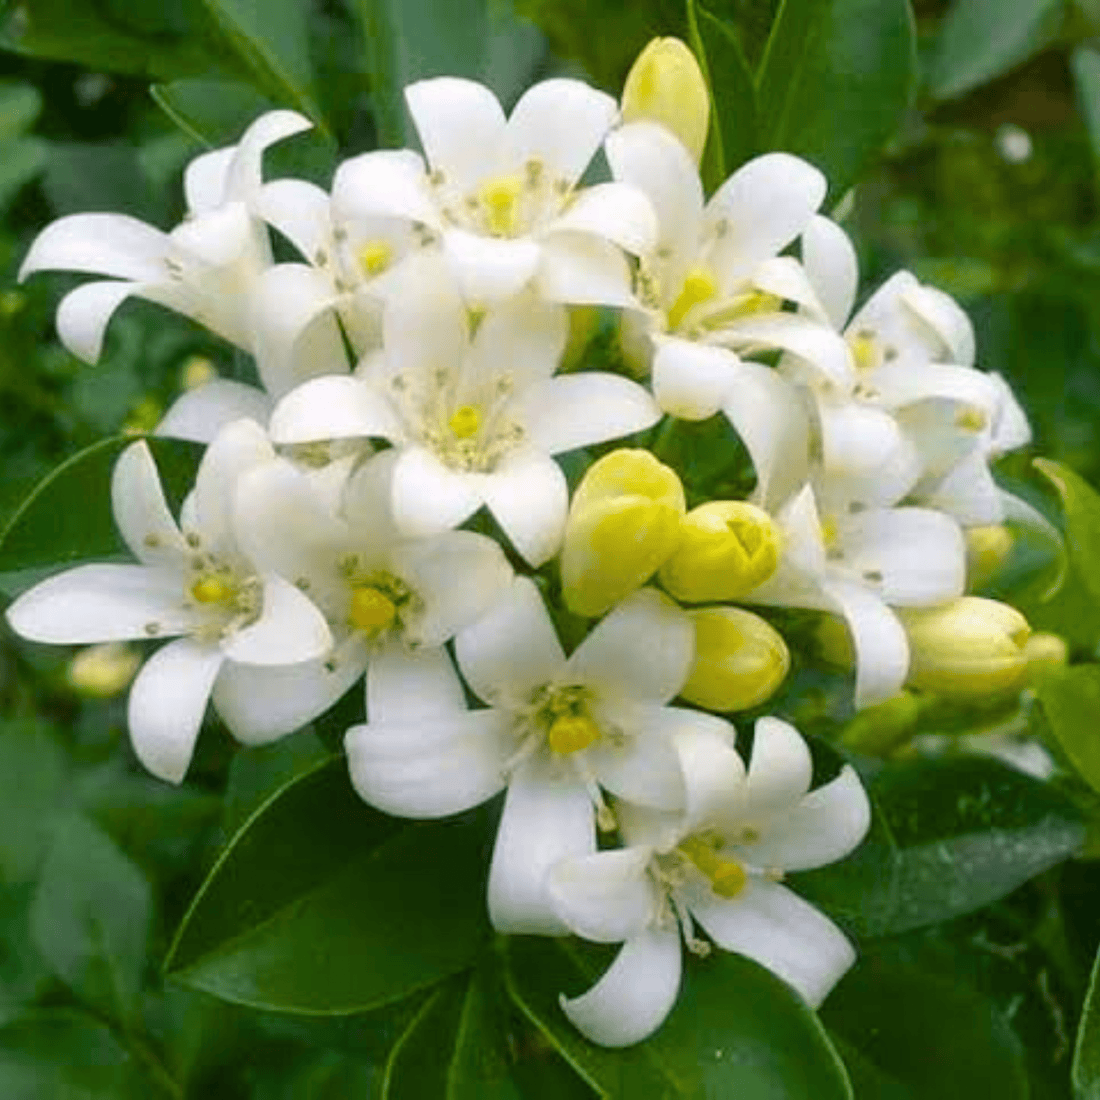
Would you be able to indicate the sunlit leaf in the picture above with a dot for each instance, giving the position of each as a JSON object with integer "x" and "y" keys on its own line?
{"x": 1086, "y": 1055}
{"x": 1082, "y": 508}
{"x": 1071, "y": 701}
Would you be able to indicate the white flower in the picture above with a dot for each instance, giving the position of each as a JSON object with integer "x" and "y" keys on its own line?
{"x": 502, "y": 194}
{"x": 475, "y": 418}
{"x": 557, "y": 729}
{"x": 205, "y": 268}
{"x": 376, "y": 587}
{"x": 858, "y": 562}
{"x": 193, "y": 581}
{"x": 719, "y": 863}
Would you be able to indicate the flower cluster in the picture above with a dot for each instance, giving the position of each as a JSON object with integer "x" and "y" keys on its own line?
{"x": 420, "y": 367}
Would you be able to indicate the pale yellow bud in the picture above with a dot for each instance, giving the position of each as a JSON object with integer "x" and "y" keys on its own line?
{"x": 968, "y": 648}
{"x": 987, "y": 548}
{"x": 666, "y": 85}
{"x": 740, "y": 660}
{"x": 1043, "y": 652}
{"x": 103, "y": 671}
{"x": 727, "y": 548}
{"x": 196, "y": 371}
{"x": 623, "y": 523}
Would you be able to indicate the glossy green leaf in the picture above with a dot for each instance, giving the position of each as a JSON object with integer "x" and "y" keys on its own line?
{"x": 923, "y": 1035}
{"x": 950, "y": 835}
{"x": 214, "y": 112}
{"x": 1071, "y": 702}
{"x": 22, "y": 160}
{"x": 419, "y": 1064}
{"x": 1086, "y": 1054}
{"x": 322, "y": 905}
{"x": 479, "y": 1068}
{"x": 90, "y": 917}
{"x": 835, "y": 81}
{"x": 982, "y": 39}
{"x": 1085, "y": 62}
{"x": 20, "y": 105}
{"x": 1081, "y": 503}
{"x": 67, "y": 516}
{"x": 24, "y": 974}
{"x": 736, "y": 1029}
{"x": 82, "y": 177}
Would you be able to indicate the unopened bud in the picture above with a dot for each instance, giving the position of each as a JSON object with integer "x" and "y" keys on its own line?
{"x": 105, "y": 670}
{"x": 197, "y": 371}
{"x": 666, "y": 85}
{"x": 623, "y": 523}
{"x": 1044, "y": 652}
{"x": 986, "y": 551}
{"x": 740, "y": 660}
{"x": 967, "y": 648}
{"x": 727, "y": 548}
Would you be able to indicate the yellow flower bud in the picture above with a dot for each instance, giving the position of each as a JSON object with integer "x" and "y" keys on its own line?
{"x": 105, "y": 670}
{"x": 624, "y": 521}
{"x": 1043, "y": 652}
{"x": 666, "y": 85}
{"x": 196, "y": 371}
{"x": 968, "y": 648}
{"x": 986, "y": 551}
{"x": 727, "y": 548}
{"x": 740, "y": 660}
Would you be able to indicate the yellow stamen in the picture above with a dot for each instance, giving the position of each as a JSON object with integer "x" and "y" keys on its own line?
{"x": 212, "y": 589}
{"x": 727, "y": 877}
{"x": 571, "y": 733}
{"x": 465, "y": 422}
{"x": 971, "y": 419}
{"x": 865, "y": 349}
{"x": 499, "y": 199}
{"x": 829, "y": 530}
{"x": 375, "y": 257}
{"x": 699, "y": 286}
{"x": 370, "y": 610}
{"x": 742, "y": 306}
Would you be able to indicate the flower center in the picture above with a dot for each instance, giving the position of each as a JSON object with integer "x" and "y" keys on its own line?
{"x": 378, "y": 602}
{"x": 375, "y": 256}
{"x": 699, "y": 286}
{"x": 865, "y": 349}
{"x": 499, "y": 199}
{"x": 727, "y": 877}
{"x": 571, "y": 733}
{"x": 465, "y": 421}
{"x": 213, "y": 588}
{"x": 370, "y": 610}
{"x": 971, "y": 419}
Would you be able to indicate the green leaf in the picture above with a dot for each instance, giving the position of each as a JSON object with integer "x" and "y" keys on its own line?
{"x": 1071, "y": 702}
{"x": 1082, "y": 508}
{"x": 1085, "y": 1073}
{"x": 419, "y": 1064}
{"x": 21, "y": 159}
{"x": 67, "y": 516}
{"x": 83, "y": 177}
{"x": 20, "y": 105}
{"x": 272, "y": 39}
{"x": 214, "y": 112}
{"x": 736, "y": 1030}
{"x": 1085, "y": 62}
{"x": 23, "y": 972}
{"x": 981, "y": 39}
{"x": 322, "y": 905}
{"x": 835, "y": 81}
{"x": 926, "y": 1032}
{"x": 90, "y": 917}
{"x": 479, "y": 1069}
{"x": 950, "y": 835}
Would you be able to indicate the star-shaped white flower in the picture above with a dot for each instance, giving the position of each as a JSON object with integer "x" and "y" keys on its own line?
{"x": 193, "y": 582}
{"x": 502, "y": 195}
{"x": 720, "y": 864}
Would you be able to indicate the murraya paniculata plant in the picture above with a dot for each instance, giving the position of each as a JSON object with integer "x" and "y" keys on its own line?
{"x": 604, "y": 646}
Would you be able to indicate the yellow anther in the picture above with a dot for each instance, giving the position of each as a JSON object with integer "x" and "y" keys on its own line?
{"x": 499, "y": 196}
{"x": 865, "y": 349}
{"x": 571, "y": 733}
{"x": 370, "y": 610}
{"x": 213, "y": 589}
{"x": 743, "y": 305}
{"x": 465, "y": 421}
{"x": 829, "y": 530}
{"x": 699, "y": 286}
{"x": 375, "y": 257}
{"x": 727, "y": 877}
{"x": 971, "y": 419}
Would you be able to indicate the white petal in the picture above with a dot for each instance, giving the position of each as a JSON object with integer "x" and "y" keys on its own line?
{"x": 881, "y": 648}
{"x": 947, "y": 319}
{"x": 204, "y": 180}
{"x": 857, "y": 438}
{"x": 243, "y": 175}
{"x": 561, "y": 123}
{"x": 490, "y": 269}
{"x": 529, "y": 498}
{"x": 102, "y": 603}
{"x": 513, "y": 649}
{"x": 825, "y": 826}
{"x": 428, "y": 497}
{"x": 300, "y": 211}
{"x": 432, "y": 768}
{"x": 776, "y": 928}
{"x": 367, "y": 499}
{"x": 140, "y": 510}
{"x": 831, "y": 265}
{"x": 84, "y": 313}
{"x": 635, "y": 994}
{"x": 606, "y": 897}
{"x": 583, "y": 270}
{"x": 577, "y": 410}
{"x": 967, "y": 492}
{"x": 388, "y": 182}
{"x": 260, "y": 703}
{"x": 614, "y": 211}
{"x": 238, "y": 447}
{"x": 100, "y": 244}
{"x": 199, "y": 414}
{"x": 823, "y": 356}
{"x": 647, "y": 156}
{"x": 289, "y": 630}
{"x": 461, "y": 127}
{"x": 167, "y": 703}
{"x": 913, "y": 557}
{"x": 779, "y": 773}
{"x": 409, "y": 687}
{"x": 784, "y": 277}
{"x": 1011, "y": 429}
{"x": 766, "y": 204}
{"x": 548, "y": 816}
{"x": 713, "y": 772}
{"x": 219, "y": 238}
{"x": 641, "y": 652}
{"x": 521, "y": 339}
{"x": 333, "y": 407}
{"x": 690, "y": 380}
